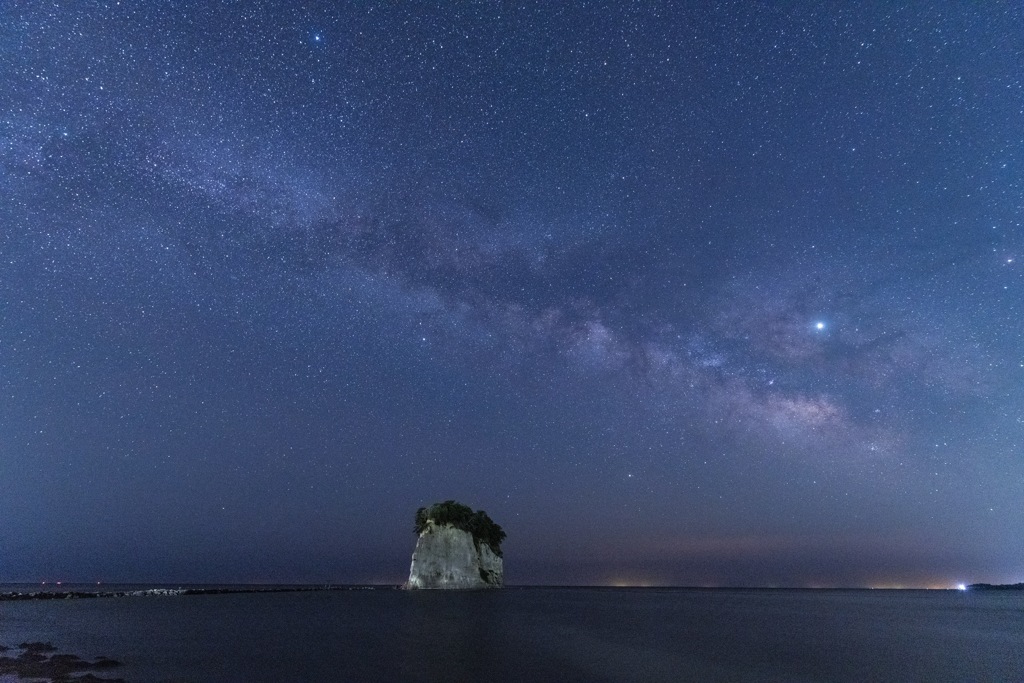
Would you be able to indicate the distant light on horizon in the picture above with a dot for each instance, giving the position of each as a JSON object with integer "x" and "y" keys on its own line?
{"x": 961, "y": 586}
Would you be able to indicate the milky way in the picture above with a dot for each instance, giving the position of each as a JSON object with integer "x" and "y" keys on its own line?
{"x": 702, "y": 296}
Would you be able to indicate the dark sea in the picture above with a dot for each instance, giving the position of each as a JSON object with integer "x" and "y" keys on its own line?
{"x": 538, "y": 634}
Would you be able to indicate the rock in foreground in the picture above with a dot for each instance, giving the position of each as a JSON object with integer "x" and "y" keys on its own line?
{"x": 457, "y": 549}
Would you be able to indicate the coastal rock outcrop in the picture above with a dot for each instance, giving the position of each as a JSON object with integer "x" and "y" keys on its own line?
{"x": 457, "y": 549}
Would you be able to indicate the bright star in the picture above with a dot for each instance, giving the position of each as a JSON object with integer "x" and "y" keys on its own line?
{"x": 819, "y": 326}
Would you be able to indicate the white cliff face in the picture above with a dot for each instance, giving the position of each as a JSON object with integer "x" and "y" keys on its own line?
{"x": 491, "y": 567}
{"x": 446, "y": 557}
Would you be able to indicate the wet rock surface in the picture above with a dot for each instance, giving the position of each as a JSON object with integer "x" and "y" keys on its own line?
{"x": 40, "y": 661}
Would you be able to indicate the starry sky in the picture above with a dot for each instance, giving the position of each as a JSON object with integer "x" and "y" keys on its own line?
{"x": 679, "y": 293}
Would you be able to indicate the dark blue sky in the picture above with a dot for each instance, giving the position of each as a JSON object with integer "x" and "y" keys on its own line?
{"x": 680, "y": 293}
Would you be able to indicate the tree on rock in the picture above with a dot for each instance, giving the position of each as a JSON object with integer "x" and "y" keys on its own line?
{"x": 450, "y": 512}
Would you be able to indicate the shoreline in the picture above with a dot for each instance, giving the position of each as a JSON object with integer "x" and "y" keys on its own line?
{"x": 167, "y": 591}
{"x": 10, "y": 596}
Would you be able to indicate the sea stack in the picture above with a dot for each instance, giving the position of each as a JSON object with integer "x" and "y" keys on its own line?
{"x": 457, "y": 549}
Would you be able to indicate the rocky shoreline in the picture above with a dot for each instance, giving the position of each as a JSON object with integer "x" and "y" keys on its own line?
{"x": 37, "y": 661}
{"x": 148, "y": 592}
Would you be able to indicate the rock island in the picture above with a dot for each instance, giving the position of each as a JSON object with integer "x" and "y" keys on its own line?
{"x": 457, "y": 549}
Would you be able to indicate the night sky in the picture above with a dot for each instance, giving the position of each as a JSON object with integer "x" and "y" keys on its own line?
{"x": 679, "y": 293}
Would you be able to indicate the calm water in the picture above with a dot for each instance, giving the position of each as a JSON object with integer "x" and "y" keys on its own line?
{"x": 540, "y": 634}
